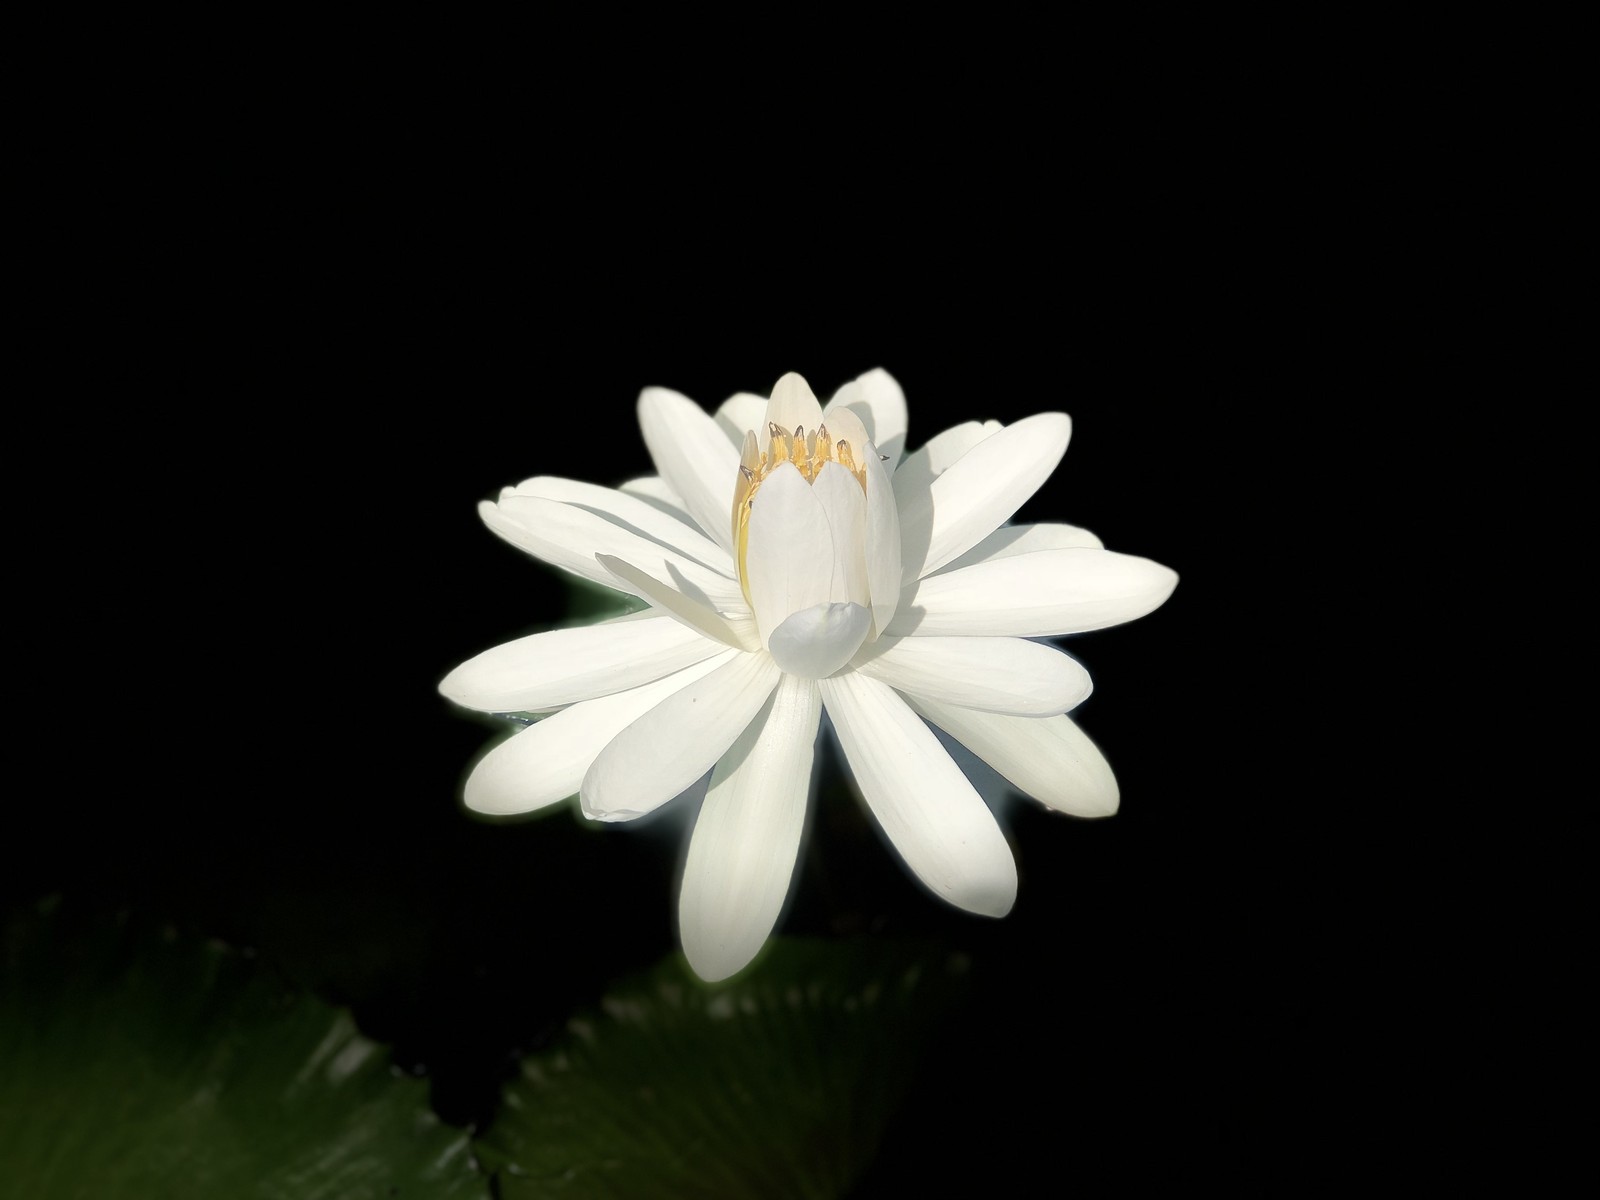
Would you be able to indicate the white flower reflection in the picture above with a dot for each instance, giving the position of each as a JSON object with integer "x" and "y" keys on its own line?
{"x": 792, "y": 561}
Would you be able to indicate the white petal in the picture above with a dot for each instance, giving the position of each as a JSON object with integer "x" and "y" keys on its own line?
{"x": 881, "y": 546}
{"x": 548, "y": 670}
{"x": 653, "y": 490}
{"x": 641, "y": 614}
{"x": 1049, "y": 758}
{"x": 989, "y": 483}
{"x": 677, "y": 741}
{"x": 788, "y": 549}
{"x": 692, "y": 453}
{"x": 1044, "y": 594}
{"x": 938, "y": 823}
{"x": 569, "y": 537}
{"x": 741, "y": 412}
{"x": 1025, "y": 539}
{"x": 792, "y": 406}
{"x": 546, "y": 761}
{"x": 632, "y": 513}
{"x": 817, "y": 641}
{"x": 881, "y": 404}
{"x": 691, "y": 614}
{"x": 742, "y": 853}
{"x": 884, "y": 566}
{"x": 1004, "y": 675}
{"x": 845, "y": 506}
{"x": 917, "y": 471}
{"x": 913, "y": 486}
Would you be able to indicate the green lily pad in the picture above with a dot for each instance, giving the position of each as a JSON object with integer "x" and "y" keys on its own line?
{"x": 778, "y": 1084}
{"x": 141, "y": 1065}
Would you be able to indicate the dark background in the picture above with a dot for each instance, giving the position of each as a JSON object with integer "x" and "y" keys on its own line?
{"x": 315, "y": 346}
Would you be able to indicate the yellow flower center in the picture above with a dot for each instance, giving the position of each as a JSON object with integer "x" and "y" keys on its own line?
{"x": 807, "y": 452}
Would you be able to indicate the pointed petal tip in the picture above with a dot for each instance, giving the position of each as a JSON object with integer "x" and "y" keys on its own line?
{"x": 594, "y": 808}
{"x": 494, "y": 789}
{"x": 605, "y": 815}
{"x": 490, "y": 804}
{"x": 792, "y": 385}
{"x": 1109, "y": 807}
{"x": 1000, "y": 906}
{"x": 1090, "y": 804}
{"x": 712, "y": 968}
{"x": 714, "y": 961}
{"x": 793, "y": 405}
{"x": 654, "y": 397}
{"x": 1051, "y": 426}
{"x": 1164, "y": 581}
{"x": 450, "y": 686}
{"x": 992, "y": 896}
{"x": 660, "y": 408}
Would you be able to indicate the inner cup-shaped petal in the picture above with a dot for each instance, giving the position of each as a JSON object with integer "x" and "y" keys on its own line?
{"x": 786, "y": 553}
{"x": 802, "y": 522}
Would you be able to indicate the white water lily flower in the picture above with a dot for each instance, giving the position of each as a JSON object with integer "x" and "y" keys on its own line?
{"x": 793, "y": 561}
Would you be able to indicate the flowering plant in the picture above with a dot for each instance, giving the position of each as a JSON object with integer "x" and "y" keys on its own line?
{"x": 793, "y": 560}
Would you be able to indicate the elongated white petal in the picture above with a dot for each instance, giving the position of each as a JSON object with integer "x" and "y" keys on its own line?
{"x": 692, "y": 453}
{"x": 932, "y": 815}
{"x": 788, "y": 549}
{"x": 1003, "y": 675}
{"x": 639, "y": 614}
{"x": 1010, "y": 540}
{"x": 1049, "y": 758}
{"x": 742, "y": 853}
{"x": 1044, "y": 594}
{"x": 655, "y": 492}
{"x": 881, "y": 404}
{"x": 792, "y": 406}
{"x": 990, "y": 482}
{"x": 845, "y": 506}
{"x": 563, "y": 666}
{"x": 632, "y": 513}
{"x": 917, "y": 470}
{"x": 913, "y": 487}
{"x": 817, "y": 641}
{"x": 569, "y": 537}
{"x": 546, "y": 762}
{"x": 741, "y": 412}
{"x": 691, "y": 614}
{"x": 884, "y": 567}
{"x": 677, "y": 741}
{"x": 879, "y": 549}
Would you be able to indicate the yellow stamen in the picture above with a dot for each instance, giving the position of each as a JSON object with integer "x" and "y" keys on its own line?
{"x": 777, "y": 445}
{"x": 821, "y": 451}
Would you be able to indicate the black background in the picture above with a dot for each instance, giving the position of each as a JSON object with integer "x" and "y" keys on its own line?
{"x": 312, "y": 346}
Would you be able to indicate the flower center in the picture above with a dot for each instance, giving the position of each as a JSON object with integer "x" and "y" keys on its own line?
{"x": 808, "y": 452}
